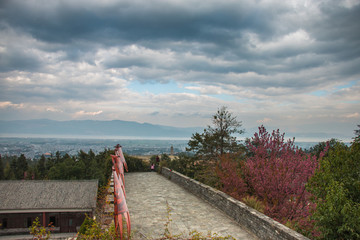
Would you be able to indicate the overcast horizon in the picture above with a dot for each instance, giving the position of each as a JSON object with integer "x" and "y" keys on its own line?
{"x": 292, "y": 65}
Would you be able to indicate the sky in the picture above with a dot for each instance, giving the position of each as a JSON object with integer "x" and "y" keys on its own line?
{"x": 290, "y": 65}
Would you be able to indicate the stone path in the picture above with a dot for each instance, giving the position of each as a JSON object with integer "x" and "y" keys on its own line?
{"x": 152, "y": 200}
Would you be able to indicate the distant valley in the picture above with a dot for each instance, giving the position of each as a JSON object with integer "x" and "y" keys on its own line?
{"x": 35, "y": 147}
{"x": 36, "y": 137}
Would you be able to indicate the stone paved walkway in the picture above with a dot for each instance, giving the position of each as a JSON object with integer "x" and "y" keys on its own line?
{"x": 148, "y": 197}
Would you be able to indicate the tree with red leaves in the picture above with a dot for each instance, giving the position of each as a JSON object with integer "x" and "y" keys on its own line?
{"x": 230, "y": 175}
{"x": 277, "y": 172}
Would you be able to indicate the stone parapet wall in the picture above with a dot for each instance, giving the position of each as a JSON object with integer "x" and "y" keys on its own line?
{"x": 259, "y": 224}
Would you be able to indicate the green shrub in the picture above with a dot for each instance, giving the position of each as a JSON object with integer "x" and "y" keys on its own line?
{"x": 337, "y": 215}
{"x": 38, "y": 231}
{"x": 86, "y": 224}
{"x": 336, "y": 186}
{"x": 136, "y": 164}
{"x": 254, "y": 203}
{"x": 91, "y": 229}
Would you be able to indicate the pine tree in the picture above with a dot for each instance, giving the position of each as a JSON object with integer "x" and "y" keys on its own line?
{"x": 2, "y": 177}
{"x": 219, "y": 138}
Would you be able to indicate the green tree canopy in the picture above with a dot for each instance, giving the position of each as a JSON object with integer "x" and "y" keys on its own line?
{"x": 357, "y": 134}
{"x": 1, "y": 169}
{"x": 336, "y": 186}
{"x": 321, "y": 146}
{"x": 41, "y": 169}
{"x": 21, "y": 166}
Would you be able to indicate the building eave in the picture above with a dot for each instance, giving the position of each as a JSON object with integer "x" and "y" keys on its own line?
{"x": 10, "y": 211}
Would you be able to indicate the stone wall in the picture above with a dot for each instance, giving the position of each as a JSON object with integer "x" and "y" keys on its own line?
{"x": 259, "y": 224}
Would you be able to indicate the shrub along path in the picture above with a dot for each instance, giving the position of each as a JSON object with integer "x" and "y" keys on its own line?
{"x": 153, "y": 200}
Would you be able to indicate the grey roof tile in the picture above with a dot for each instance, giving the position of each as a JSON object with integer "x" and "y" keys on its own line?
{"x": 48, "y": 194}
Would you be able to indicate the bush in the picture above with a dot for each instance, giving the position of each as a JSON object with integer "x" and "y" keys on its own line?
{"x": 336, "y": 186}
{"x": 91, "y": 229}
{"x": 38, "y": 231}
{"x": 338, "y": 216}
{"x": 207, "y": 174}
{"x": 184, "y": 164}
{"x": 88, "y": 222}
{"x": 254, "y": 203}
{"x": 231, "y": 179}
{"x": 136, "y": 164}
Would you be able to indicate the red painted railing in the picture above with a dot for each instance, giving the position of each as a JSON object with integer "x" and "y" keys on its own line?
{"x": 120, "y": 206}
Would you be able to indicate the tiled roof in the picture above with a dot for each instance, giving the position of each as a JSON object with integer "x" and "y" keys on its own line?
{"x": 48, "y": 194}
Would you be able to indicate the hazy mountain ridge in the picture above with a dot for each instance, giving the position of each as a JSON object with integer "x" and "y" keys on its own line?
{"x": 120, "y": 128}
{"x": 93, "y": 128}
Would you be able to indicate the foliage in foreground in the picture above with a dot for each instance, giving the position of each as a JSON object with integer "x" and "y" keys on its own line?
{"x": 92, "y": 230}
{"x": 274, "y": 173}
{"x": 38, "y": 231}
{"x": 336, "y": 189}
{"x": 136, "y": 164}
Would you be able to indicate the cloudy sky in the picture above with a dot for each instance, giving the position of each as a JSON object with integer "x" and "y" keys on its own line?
{"x": 293, "y": 65}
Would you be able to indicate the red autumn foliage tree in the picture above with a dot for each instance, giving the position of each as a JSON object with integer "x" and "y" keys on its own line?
{"x": 229, "y": 173}
{"x": 277, "y": 172}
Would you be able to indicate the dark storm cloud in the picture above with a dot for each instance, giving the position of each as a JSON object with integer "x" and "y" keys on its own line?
{"x": 127, "y": 21}
{"x": 65, "y": 22}
{"x": 337, "y": 23}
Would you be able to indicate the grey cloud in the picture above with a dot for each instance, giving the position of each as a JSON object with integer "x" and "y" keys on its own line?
{"x": 216, "y": 34}
{"x": 217, "y": 30}
{"x": 336, "y": 31}
{"x": 13, "y": 59}
{"x": 126, "y": 62}
{"x": 62, "y": 90}
{"x": 64, "y": 22}
{"x": 155, "y": 113}
{"x": 337, "y": 22}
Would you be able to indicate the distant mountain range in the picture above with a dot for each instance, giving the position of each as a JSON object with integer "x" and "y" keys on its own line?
{"x": 124, "y": 129}
{"x": 93, "y": 128}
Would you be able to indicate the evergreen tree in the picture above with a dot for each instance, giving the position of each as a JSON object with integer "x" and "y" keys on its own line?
{"x": 357, "y": 134}
{"x": 2, "y": 177}
{"x": 9, "y": 172}
{"x": 40, "y": 167}
{"x": 57, "y": 157}
{"x": 217, "y": 139}
{"x": 21, "y": 167}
